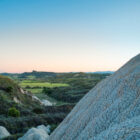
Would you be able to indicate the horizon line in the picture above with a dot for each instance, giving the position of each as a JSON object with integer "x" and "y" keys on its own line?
{"x": 106, "y": 71}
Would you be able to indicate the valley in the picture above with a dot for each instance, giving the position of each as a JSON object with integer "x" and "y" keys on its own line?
{"x": 25, "y": 92}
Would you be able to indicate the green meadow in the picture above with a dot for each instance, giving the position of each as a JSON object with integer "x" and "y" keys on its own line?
{"x": 36, "y": 86}
{"x": 35, "y": 90}
{"x": 28, "y": 83}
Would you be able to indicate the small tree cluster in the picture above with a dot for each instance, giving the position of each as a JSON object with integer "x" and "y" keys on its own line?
{"x": 13, "y": 112}
{"x": 47, "y": 90}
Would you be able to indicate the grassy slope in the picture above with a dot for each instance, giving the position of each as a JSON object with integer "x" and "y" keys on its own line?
{"x": 10, "y": 90}
{"x": 32, "y": 114}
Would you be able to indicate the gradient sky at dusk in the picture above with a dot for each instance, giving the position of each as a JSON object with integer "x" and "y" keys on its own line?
{"x": 68, "y": 35}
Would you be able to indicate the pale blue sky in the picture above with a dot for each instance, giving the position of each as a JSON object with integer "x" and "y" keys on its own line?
{"x": 68, "y": 35}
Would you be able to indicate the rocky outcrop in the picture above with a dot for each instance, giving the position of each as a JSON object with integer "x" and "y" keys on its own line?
{"x": 46, "y": 103}
{"x": 39, "y": 133}
{"x": 16, "y": 100}
{"x": 3, "y": 132}
{"x": 110, "y": 111}
{"x": 43, "y": 102}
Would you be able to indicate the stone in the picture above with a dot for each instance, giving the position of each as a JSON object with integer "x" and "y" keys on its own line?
{"x": 3, "y": 132}
{"x": 39, "y": 133}
{"x": 46, "y": 103}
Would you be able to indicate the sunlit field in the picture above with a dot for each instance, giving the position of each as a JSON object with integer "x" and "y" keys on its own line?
{"x": 28, "y": 83}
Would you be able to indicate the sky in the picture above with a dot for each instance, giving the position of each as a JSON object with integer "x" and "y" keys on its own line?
{"x": 68, "y": 35}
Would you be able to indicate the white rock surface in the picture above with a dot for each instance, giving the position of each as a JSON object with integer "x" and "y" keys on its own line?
{"x": 16, "y": 100}
{"x": 39, "y": 133}
{"x": 3, "y": 132}
{"x": 34, "y": 98}
{"x": 46, "y": 128}
{"x": 110, "y": 111}
{"x": 43, "y": 102}
{"x": 22, "y": 91}
{"x": 46, "y": 103}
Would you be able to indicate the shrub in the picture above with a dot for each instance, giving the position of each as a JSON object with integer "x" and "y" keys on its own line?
{"x": 13, "y": 137}
{"x": 28, "y": 87}
{"x": 47, "y": 90}
{"x": 3, "y": 97}
{"x": 53, "y": 127}
{"x": 9, "y": 89}
{"x": 38, "y": 110}
{"x": 13, "y": 112}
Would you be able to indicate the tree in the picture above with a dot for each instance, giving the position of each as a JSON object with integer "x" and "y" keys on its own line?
{"x": 13, "y": 112}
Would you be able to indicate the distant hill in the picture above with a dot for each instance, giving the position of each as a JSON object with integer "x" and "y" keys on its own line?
{"x": 33, "y": 73}
{"x": 37, "y": 74}
{"x": 42, "y": 74}
{"x": 104, "y": 72}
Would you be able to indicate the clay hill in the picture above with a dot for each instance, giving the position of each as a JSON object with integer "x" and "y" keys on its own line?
{"x": 110, "y": 111}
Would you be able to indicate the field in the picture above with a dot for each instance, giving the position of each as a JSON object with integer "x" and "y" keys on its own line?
{"x": 36, "y": 87}
{"x": 35, "y": 90}
{"x": 32, "y": 84}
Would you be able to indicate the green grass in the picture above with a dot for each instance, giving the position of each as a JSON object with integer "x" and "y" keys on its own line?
{"x": 31, "y": 77}
{"x": 41, "y": 84}
{"x": 35, "y": 90}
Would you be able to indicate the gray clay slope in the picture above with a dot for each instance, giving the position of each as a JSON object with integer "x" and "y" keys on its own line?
{"x": 110, "y": 111}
